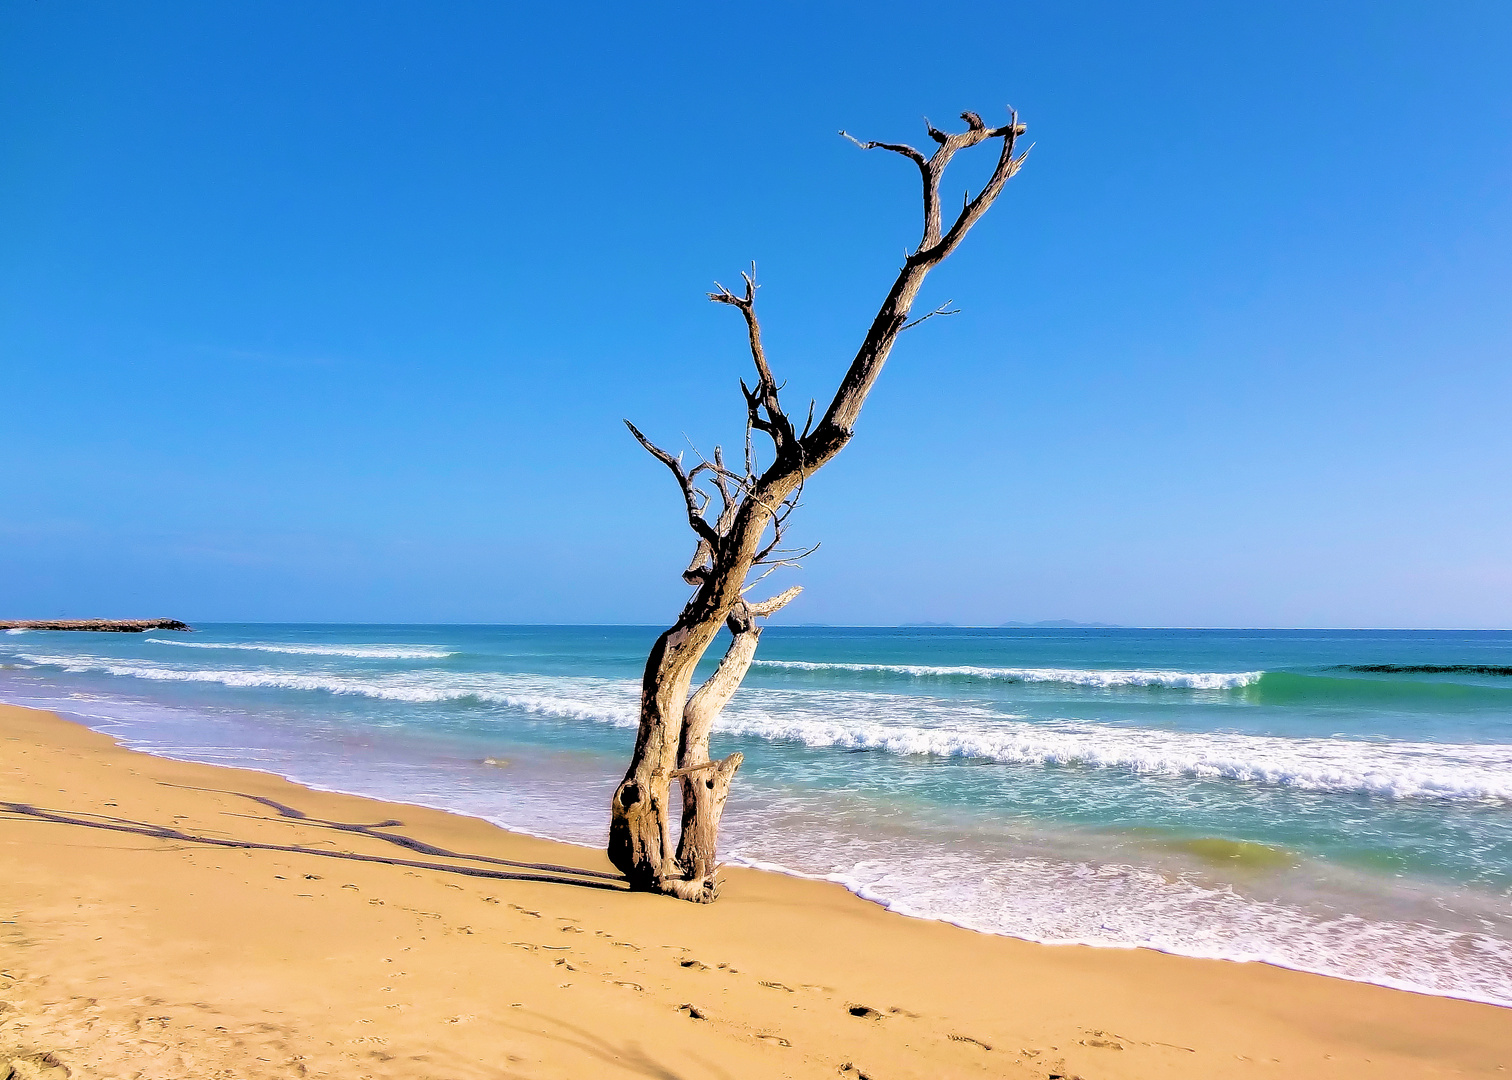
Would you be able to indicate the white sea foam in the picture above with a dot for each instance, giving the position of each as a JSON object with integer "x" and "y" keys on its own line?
{"x": 1396, "y": 770}
{"x": 909, "y": 725}
{"x": 1096, "y": 677}
{"x": 16, "y": 630}
{"x": 536, "y": 694}
{"x": 359, "y": 652}
{"x": 1128, "y": 906}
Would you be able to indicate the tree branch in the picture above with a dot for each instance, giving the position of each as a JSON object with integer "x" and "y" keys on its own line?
{"x": 729, "y": 504}
{"x": 781, "y": 600}
{"x": 695, "y": 499}
{"x": 943, "y": 309}
{"x": 930, "y": 180}
{"x": 835, "y": 428}
{"x": 764, "y": 396}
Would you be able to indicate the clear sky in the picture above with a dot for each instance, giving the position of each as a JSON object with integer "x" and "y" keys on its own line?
{"x": 316, "y": 311}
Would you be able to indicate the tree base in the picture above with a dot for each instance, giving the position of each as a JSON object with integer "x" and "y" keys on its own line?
{"x": 695, "y": 890}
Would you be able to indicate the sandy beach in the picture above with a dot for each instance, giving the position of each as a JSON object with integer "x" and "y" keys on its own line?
{"x": 161, "y": 919}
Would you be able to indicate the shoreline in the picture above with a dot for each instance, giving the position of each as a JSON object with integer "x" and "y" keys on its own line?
{"x": 775, "y": 970}
{"x": 889, "y": 901}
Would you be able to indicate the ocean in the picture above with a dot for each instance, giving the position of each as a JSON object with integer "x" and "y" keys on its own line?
{"x": 1336, "y": 801}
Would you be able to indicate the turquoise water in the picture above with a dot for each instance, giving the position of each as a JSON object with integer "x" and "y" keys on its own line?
{"x": 1336, "y": 801}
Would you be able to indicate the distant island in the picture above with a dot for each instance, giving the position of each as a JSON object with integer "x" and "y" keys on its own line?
{"x": 109, "y": 626}
{"x": 1048, "y": 624}
{"x": 1065, "y": 624}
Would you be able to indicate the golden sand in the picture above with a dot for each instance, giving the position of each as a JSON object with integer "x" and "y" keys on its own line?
{"x": 165, "y": 920}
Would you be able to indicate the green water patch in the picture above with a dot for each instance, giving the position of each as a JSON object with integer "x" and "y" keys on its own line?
{"x": 1218, "y": 851}
{"x": 1495, "y": 670}
{"x": 1290, "y": 688}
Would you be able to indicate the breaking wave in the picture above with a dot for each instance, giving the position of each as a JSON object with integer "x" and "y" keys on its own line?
{"x": 359, "y": 652}
{"x": 528, "y": 693}
{"x": 1176, "y": 680}
{"x": 909, "y": 726}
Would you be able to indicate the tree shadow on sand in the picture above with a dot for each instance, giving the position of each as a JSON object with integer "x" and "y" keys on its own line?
{"x": 627, "y": 1056}
{"x": 548, "y": 873}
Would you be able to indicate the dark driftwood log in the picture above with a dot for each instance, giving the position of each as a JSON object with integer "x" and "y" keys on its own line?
{"x": 109, "y": 626}
{"x": 672, "y": 740}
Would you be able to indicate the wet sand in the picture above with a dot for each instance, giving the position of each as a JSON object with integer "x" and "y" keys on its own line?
{"x": 163, "y": 920}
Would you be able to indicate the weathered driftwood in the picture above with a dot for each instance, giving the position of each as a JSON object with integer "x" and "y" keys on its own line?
{"x": 673, "y": 738}
{"x": 110, "y": 626}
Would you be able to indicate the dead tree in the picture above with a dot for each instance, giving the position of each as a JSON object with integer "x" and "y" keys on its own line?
{"x": 739, "y": 517}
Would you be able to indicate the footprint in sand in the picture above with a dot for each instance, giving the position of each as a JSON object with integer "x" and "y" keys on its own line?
{"x": 776, "y": 986}
{"x": 969, "y": 1039}
{"x": 692, "y": 1011}
{"x": 865, "y": 1012}
{"x": 778, "y": 1039}
{"x": 693, "y": 965}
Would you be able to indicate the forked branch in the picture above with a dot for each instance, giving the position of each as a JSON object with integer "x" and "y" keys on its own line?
{"x": 932, "y": 244}
{"x": 764, "y": 396}
{"x": 943, "y": 309}
{"x": 695, "y": 498}
{"x": 935, "y": 243}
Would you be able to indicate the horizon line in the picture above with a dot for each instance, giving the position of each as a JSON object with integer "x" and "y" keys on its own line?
{"x": 1048, "y": 624}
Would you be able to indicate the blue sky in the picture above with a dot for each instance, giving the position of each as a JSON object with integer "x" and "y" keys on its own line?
{"x": 331, "y": 311}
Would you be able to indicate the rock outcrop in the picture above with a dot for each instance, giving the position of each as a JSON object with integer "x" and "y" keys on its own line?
{"x": 110, "y": 626}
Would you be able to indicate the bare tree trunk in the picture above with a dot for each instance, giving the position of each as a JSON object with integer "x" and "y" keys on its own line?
{"x": 640, "y": 838}
{"x": 673, "y": 739}
{"x": 706, "y": 783}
